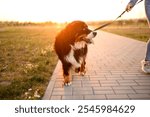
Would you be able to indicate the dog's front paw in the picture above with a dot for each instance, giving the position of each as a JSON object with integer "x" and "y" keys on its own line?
{"x": 67, "y": 81}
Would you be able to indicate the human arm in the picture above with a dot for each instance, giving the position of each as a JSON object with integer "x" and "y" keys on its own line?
{"x": 130, "y": 5}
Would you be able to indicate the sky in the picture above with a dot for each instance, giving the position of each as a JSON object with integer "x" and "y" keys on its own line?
{"x": 66, "y": 10}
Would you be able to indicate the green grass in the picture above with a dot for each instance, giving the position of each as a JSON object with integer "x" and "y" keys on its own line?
{"x": 27, "y": 60}
{"x": 138, "y": 33}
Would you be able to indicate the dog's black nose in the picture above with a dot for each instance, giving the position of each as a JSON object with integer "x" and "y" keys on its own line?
{"x": 94, "y": 33}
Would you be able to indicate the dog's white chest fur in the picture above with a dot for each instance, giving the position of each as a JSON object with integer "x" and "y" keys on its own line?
{"x": 79, "y": 45}
{"x": 70, "y": 57}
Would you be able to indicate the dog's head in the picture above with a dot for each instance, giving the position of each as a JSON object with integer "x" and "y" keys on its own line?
{"x": 80, "y": 32}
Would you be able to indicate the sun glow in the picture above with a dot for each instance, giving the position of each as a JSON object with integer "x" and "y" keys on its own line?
{"x": 65, "y": 10}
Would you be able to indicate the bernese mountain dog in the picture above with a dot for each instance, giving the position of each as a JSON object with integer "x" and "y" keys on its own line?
{"x": 71, "y": 47}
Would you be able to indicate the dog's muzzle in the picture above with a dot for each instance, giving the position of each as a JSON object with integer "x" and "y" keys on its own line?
{"x": 89, "y": 37}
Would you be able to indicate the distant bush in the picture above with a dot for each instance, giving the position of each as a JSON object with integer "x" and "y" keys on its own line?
{"x": 121, "y": 22}
{"x": 16, "y": 23}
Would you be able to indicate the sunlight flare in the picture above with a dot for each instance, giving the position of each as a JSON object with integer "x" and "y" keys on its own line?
{"x": 65, "y": 10}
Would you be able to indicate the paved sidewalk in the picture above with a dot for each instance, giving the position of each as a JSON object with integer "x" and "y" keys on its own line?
{"x": 113, "y": 72}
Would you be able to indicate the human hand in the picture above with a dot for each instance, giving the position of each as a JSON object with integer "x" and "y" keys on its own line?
{"x": 129, "y": 7}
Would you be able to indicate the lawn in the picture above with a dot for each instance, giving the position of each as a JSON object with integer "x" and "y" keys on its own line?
{"x": 138, "y": 33}
{"x": 27, "y": 60}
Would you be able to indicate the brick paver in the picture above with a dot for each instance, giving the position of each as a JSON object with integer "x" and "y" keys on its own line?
{"x": 113, "y": 72}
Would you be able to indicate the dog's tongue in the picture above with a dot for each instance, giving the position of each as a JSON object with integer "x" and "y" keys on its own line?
{"x": 89, "y": 41}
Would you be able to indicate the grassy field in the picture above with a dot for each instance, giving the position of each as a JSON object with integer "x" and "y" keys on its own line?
{"x": 27, "y": 60}
{"x": 138, "y": 33}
